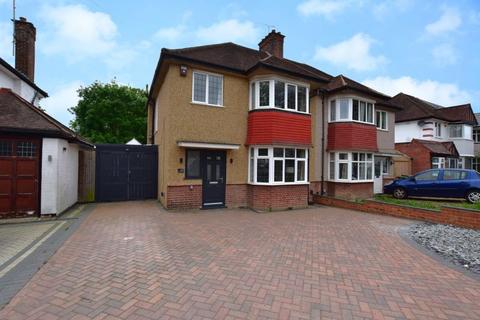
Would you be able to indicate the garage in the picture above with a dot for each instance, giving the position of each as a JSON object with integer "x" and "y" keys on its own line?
{"x": 19, "y": 176}
{"x": 126, "y": 172}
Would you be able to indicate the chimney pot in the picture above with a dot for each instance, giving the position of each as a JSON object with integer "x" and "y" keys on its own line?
{"x": 272, "y": 44}
{"x": 25, "y": 34}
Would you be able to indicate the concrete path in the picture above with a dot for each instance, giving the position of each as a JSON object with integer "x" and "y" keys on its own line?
{"x": 135, "y": 261}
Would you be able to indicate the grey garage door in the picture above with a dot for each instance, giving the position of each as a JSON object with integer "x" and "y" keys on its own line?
{"x": 125, "y": 172}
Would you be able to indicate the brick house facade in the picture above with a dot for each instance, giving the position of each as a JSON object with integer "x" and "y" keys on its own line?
{"x": 239, "y": 127}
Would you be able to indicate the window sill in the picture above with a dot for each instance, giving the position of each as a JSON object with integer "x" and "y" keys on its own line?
{"x": 352, "y": 121}
{"x": 207, "y": 104}
{"x": 274, "y": 184}
{"x": 279, "y": 109}
{"x": 380, "y": 129}
{"x": 351, "y": 181}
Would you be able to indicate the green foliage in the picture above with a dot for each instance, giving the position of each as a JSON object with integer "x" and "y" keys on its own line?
{"x": 110, "y": 113}
{"x": 428, "y": 204}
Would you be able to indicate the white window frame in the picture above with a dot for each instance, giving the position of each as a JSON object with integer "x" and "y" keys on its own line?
{"x": 208, "y": 74}
{"x": 350, "y": 109}
{"x": 271, "y": 102}
{"x": 476, "y": 164}
{"x": 252, "y": 171}
{"x": 476, "y": 136}
{"x": 383, "y": 123}
{"x": 437, "y": 129}
{"x": 349, "y": 162}
{"x": 450, "y": 126}
{"x": 438, "y": 162}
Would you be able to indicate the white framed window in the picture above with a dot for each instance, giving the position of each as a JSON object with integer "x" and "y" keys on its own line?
{"x": 476, "y": 134}
{"x": 456, "y": 131}
{"x": 438, "y": 162}
{"x": 476, "y": 164}
{"x": 438, "y": 129}
{"x": 381, "y": 120}
{"x": 207, "y": 88}
{"x": 351, "y": 109}
{"x": 278, "y": 165}
{"x": 279, "y": 93}
{"x": 350, "y": 166}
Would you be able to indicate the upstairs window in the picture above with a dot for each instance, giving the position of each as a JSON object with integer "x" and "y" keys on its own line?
{"x": 279, "y": 94}
{"x": 456, "y": 131}
{"x": 381, "y": 120}
{"x": 207, "y": 88}
{"x": 476, "y": 135}
{"x": 349, "y": 109}
{"x": 438, "y": 129}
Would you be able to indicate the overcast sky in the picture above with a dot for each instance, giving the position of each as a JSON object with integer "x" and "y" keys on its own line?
{"x": 430, "y": 49}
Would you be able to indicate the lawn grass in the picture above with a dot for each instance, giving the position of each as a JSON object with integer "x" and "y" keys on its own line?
{"x": 427, "y": 203}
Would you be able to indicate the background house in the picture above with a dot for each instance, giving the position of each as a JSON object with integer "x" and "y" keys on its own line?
{"x": 39, "y": 157}
{"x": 434, "y": 136}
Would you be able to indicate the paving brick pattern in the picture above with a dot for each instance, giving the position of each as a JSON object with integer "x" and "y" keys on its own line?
{"x": 14, "y": 238}
{"x": 134, "y": 261}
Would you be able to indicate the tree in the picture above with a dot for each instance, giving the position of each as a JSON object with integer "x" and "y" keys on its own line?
{"x": 110, "y": 113}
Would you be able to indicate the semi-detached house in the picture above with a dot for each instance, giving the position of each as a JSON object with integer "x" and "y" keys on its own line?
{"x": 239, "y": 127}
{"x": 435, "y": 136}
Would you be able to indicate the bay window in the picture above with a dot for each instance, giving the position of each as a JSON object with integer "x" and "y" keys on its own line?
{"x": 350, "y": 109}
{"x": 278, "y": 165}
{"x": 350, "y": 166}
{"x": 207, "y": 88}
{"x": 279, "y": 94}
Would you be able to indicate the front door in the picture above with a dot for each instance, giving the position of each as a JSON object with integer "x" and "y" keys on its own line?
{"x": 378, "y": 176}
{"x": 214, "y": 173}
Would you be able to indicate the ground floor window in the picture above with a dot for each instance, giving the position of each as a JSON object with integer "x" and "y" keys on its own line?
{"x": 382, "y": 166}
{"x": 476, "y": 164}
{"x": 438, "y": 162}
{"x": 278, "y": 165}
{"x": 351, "y": 166}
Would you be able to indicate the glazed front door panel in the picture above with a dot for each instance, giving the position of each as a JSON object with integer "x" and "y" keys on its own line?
{"x": 214, "y": 178}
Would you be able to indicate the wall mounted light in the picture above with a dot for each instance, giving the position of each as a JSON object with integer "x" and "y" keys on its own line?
{"x": 180, "y": 160}
{"x": 183, "y": 70}
{"x": 231, "y": 160}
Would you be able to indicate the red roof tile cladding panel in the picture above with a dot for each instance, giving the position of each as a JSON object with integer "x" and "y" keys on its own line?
{"x": 352, "y": 136}
{"x": 279, "y": 127}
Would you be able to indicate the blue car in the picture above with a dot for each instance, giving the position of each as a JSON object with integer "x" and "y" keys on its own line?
{"x": 441, "y": 183}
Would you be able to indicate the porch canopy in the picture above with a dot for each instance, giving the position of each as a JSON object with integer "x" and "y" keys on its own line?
{"x": 208, "y": 145}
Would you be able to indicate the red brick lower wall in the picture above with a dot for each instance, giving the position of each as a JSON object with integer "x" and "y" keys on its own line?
{"x": 447, "y": 215}
{"x": 363, "y": 190}
{"x": 236, "y": 195}
{"x": 184, "y": 197}
{"x": 268, "y": 198}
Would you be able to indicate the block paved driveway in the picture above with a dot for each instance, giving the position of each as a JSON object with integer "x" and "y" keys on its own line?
{"x": 135, "y": 261}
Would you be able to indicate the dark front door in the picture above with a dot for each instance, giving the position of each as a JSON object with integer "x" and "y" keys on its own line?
{"x": 214, "y": 179}
{"x": 19, "y": 176}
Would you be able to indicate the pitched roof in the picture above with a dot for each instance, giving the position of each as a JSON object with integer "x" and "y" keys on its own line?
{"x": 22, "y": 76}
{"x": 439, "y": 148}
{"x": 416, "y": 109}
{"x": 18, "y": 115}
{"x": 242, "y": 59}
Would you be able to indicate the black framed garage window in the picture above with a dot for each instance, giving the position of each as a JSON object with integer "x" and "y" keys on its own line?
{"x": 192, "y": 164}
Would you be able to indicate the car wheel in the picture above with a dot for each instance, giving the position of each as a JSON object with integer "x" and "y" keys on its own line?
{"x": 399, "y": 193}
{"x": 473, "y": 196}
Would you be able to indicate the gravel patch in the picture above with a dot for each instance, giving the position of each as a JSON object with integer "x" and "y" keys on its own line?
{"x": 459, "y": 245}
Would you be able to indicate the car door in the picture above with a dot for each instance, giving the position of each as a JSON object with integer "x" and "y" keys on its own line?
{"x": 425, "y": 184}
{"x": 453, "y": 184}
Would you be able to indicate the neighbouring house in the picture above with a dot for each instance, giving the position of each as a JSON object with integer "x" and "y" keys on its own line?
{"x": 240, "y": 127}
{"x": 38, "y": 155}
{"x": 476, "y": 144}
{"x": 434, "y": 136}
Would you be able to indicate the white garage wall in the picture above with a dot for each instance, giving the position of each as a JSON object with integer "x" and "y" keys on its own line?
{"x": 59, "y": 175}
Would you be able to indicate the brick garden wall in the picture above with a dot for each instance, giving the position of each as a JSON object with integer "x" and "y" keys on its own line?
{"x": 447, "y": 215}
{"x": 350, "y": 190}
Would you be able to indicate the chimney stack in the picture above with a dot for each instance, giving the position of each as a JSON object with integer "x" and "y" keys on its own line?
{"x": 25, "y": 34}
{"x": 273, "y": 44}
